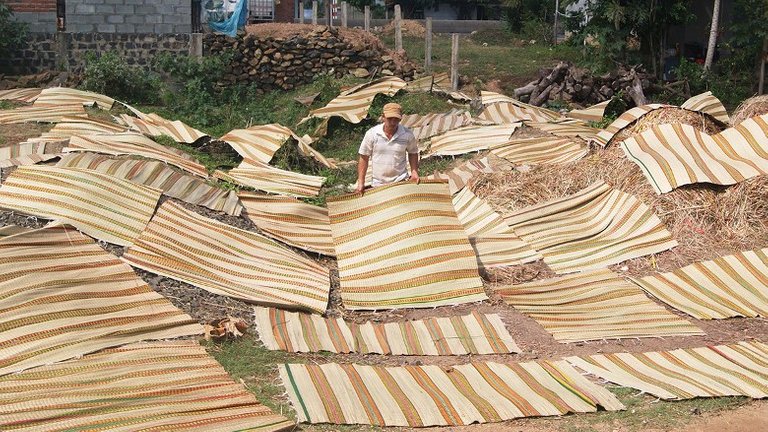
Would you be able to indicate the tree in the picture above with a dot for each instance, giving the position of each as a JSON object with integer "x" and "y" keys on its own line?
{"x": 12, "y": 32}
{"x": 712, "y": 35}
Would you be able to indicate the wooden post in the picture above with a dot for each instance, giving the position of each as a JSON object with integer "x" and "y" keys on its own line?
{"x": 367, "y": 19}
{"x": 764, "y": 55}
{"x": 454, "y": 61}
{"x": 343, "y": 14}
{"x": 329, "y": 13}
{"x": 301, "y": 12}
{"x": 398, "y": 29}
{"x": 314, "y": 12}
{"x": 428, "y": 47}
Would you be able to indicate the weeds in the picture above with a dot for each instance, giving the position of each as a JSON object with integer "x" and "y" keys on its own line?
{"x": 109, "y": 74}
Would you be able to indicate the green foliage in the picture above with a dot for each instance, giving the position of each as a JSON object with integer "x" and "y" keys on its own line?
{"x": 746, "y": 38}
{"x": 109, "y": 74}
{"x": 12, "y": 32}
{"x": 726, "y": 82}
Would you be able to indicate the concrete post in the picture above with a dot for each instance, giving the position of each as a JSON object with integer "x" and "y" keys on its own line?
{"x": 398, "y": 29}
{"x": 196, "y": 45}
{"x": 343, "y": 14}
{"x": 455, "y": 61}
{"x": 314, "y": 12}
{"x": 428, "y": 47}
{"x": 367, "y": 19}
{"x": 301, "y": 12}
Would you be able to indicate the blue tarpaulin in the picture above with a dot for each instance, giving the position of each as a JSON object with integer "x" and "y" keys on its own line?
{"x": 230, "y": 25}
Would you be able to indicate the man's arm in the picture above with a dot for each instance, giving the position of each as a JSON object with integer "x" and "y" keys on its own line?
{"x": 362, "y": 168}
{"x": 413, "y": 161}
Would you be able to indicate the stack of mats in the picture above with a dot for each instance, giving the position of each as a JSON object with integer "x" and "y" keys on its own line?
{"x": 62, "y": 296}
{"x": 593, "y": 113}
{"x": 673, "y": 155}
{"x": 263, "y": 177}
{"x": 70, "y": 126}
{"x": 503, "y": 109}
{"x": 470, "y": 139}
{"x": 427, "y": 126}
{"x": 594, "y": 305}
{"x": 44, "y": 114}
{"x": 26, "y": 153}
{"x": 60, "y": 96}
{"x": 27, "y": 95}
{"x": 594, "y": 228}
{"x": 401, "y": 246}
{"x": 228, "y": 261}
{"x": 730, "y": 286}
{"x": 352, "y": 105}
{"x": 456, "y": 335}
{"x": 419, "y": 396}
{"x": 153, "y": 125}
{"x": 723, "y": 370}
{"x": 102, "y": 206}
{"x": 460, "y": 176}
{"x": 540, "y": 150}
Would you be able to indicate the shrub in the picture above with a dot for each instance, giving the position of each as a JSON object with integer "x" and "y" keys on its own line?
{"x": 109, "y": 74}
{"x": 12, "y": 32}
{"x": 730, "y": 84}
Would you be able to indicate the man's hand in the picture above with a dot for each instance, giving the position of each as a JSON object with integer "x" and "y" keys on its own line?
{"x": 360, "y": 188}
{"x": 414, "y": 176}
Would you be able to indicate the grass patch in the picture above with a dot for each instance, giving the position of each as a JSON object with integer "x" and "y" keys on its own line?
{"x": 5, "y": 105}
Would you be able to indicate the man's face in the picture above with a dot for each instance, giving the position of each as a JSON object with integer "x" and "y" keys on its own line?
{"x": 391, "y": 122}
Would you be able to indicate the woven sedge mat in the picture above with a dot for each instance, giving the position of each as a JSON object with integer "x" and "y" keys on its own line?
{"x": 27, "y": 95}
{"x": 729, "y": 286}
{"x": 441, "y": 84}
{"x": 540, "y": 150}
{"x": 592, "y": 113}
{"x": 429, "y": 125}
{"x": 707, "y": 103}
{"x": 172, "y": 385}
{"x": 43, "y": 114}
{"x": 134, "y": 144}
{"x": 60, "y": 96}
{"x": 10, "y": 230}
{"x": 62, "y": 296}
{"x": 566, "y": 127}
{"x": 290, "y": 221}
{"x": 158, "y": 175}
{"x": 26, "y": 153}
{"x": 460, "y": 176}
{"x": 100, "y": 205}
{"x": 401, "y": 246}
{"x": 456, "y": 335}
{"x": 263, "y": 177}
{"x": 713, "y": 371}
{"x": 258, "y": 142}
{"x": 352, "y": 105}
{"x": 673, "y": 155}
{"x": 529, "y": 112}
{"x": 594, "y": 305}
{"x": 70, "y": 126}
{"x": 593, "y": 228}
{"x": 470, "y": 139}
{"x": 228, "y": 261}
{"x": 419, "y": 396}
{"x": 153, "y": 125}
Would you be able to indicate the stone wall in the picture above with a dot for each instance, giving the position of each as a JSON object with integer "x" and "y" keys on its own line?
{"x": 129, "y": 16}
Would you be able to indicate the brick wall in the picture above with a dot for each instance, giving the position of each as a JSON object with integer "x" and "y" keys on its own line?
{"x": 285, "y": 11}
{"x": 31, "y": 5}
{"x": 129, "y": 16}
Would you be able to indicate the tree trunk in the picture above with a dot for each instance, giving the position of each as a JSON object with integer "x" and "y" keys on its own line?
{"x": 763, "y": 59}
{"x": 712, "y": 35}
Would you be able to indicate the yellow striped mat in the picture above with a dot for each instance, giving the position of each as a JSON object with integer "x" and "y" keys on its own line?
{"x": 729, "y": 286}
{"x": 70, "y": 126}
{"x": 673, "y": 155}
{"x": 594, "y": 305}
{"x": 455, "y": 335}
{"x": 566, "y": 128}
{"x": 263, "y": 177}
{"x": 421, "y": 85}
{"x": 521, "y": 110}
{"x": 353, "y": 105}
{"x": 290, "y": 221}
{"x": 27, "y": 95}
{"x": 723, "y": 370}
{"x": 429, "y": 125}
{"x": 59, "y": 96}
{"x": 160, "y": 176}
{"x": 43, "y": 114}
{"x": 507, "y": 112}
{"x": 26, "y": 153}
{"x": 100, "y": 205}
{"x": 593, "y": 228}
{"x": 592, "y": 113}
{"x": 173, "y": 386}
{"x": 228, "y": 261}
{"x": 10, "y": 230}
{"x": 460, "y": 176}
{"x": 419, "y": 396}
{"x": 707, "y": 103}
{"x": 540, "y": 150}
{"x": 62, "y": 296}
{"x": 627, "y": 118}
{"x": 470, "y": 139}
{"x": 153, "y": 125}
{"x": 258, "y": 142}
{"x": 401, "y": 246}
{"x": 134, "y": 144}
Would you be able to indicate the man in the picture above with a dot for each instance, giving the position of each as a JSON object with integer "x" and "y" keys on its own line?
{"x": 387, "y": 146}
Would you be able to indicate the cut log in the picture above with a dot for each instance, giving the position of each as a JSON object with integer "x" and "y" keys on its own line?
{"x": 525, "y": 90}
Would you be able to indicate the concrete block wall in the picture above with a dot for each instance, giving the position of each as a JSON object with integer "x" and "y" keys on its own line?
{"x": 129, "y": 16}
{"x": 39, "y": 14}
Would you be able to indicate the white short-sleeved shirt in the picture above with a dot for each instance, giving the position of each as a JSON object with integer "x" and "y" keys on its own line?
{"x": 388, "y": 157}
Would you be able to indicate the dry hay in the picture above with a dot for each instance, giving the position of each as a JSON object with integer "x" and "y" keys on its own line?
{"x": 408, "y": 27}
{"x": 707, "y": 220}
{"x": 751, "y": 107}
{"x": 667, "y": 115}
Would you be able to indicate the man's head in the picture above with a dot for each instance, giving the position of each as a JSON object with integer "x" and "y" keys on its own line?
{"x": 392, "y": 114}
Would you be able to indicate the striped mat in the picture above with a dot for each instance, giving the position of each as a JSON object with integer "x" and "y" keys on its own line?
{"x": 158, "y": 175}
{"x": 567, "y": 128}
{"x": 429, "y": 125}
{"x": 27, "y": 95}
{"x": 305, "y": 148}
{"x": 70, "y": 126}
{"x": 153, "y": 125}
{"x": 673, "y": 155}
{"x": 442, "y": 85}
{"x": 593, "y": 113}
{"x": 522, "y": 110}
{"x": 136, "y": 145}
{"x": 470, "y": 139}
{"x": 10, "y": 230}
{"x": 455, "y": 335}
{"x": 26, "y": 153}
{"x": 460, "y": 176}
{"x": 729, "y": 286}
{"x": 419, "y": 396}
{"x": 723, "y": 370}
{"x": 100, "y": 205}
{"x": 258, "y": 142}
{"x": 62, "y": 296}
{"x": 707, "y": 103}
{"x": 290, "y": 221}
{"x": 43, "y": 114}
{"x": 263, "y": 177}
{"x": 594, "y": 228}
{"x": 421, "y": 85}
{"x": 174, "y": 386}
{"x": 60, "y": 96}
{"x": 412, "y": 253}
{"x": 627, "y": 118}
{"x": 353, "y": 105}
{"x": 540, "y": 150}
{"x": 228, "y": 261}
{"x": 594, "y": 305}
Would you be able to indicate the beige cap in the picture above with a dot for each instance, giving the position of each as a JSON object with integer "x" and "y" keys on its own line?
{"x": 393, "y": 110}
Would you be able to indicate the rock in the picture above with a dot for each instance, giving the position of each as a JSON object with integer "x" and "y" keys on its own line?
{"x": 360, "y": 73}
{"x": 387, "y": 72}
